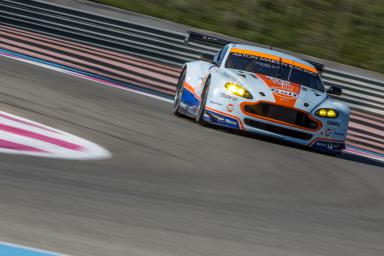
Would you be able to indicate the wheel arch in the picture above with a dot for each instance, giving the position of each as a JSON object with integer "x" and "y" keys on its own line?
{"x": 196, "y": 72}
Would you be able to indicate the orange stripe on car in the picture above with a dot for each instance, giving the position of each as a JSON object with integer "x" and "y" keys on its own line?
{"x": 274, "y": 57}
{"x": 191, "y": 89}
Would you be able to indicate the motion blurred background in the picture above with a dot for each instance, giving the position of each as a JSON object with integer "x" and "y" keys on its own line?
{"x": 172, "y": 187}
{"x": 346, "y": 31}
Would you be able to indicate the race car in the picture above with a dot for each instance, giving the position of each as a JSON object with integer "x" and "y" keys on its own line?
{"x": 263, "y": 91}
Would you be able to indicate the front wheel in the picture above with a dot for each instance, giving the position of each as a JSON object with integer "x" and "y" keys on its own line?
{"x": 179, "y": 94}
{"x": 200, "y": 114}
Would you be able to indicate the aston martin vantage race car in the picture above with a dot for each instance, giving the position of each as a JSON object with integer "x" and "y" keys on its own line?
{"x": 265, "y": 92}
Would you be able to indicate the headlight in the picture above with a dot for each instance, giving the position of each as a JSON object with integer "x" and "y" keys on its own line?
{"x": 327, "y": 113}
{"x": 238, "y": 90}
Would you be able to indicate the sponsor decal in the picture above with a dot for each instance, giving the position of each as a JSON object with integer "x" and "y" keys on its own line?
{"x": 218, "y": 118}
{"x": 249, "y": 54}
{"x": 333, "y": 124}
{"x": 216, "y": 103}
{"x": 284, "y": 92}
{"x": 229, "y": 97}
{"x": 325, "y": 145}
{"x": 230, "y": 122}
{"x": 284, "y": 85}
{"x": 326, "y": 132}
{"x": 329, "y": 146}
{"x": 222, "y": 120}
{"x": 230, "y": 107}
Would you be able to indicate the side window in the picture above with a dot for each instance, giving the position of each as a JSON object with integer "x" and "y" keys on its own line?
{"x": 220, "y": 56}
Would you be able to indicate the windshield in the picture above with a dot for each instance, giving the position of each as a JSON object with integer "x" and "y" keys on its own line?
{"x": 274, "y": 68}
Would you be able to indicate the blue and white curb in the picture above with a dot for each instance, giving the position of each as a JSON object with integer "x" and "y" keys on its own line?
{"x": 8, "y": 249}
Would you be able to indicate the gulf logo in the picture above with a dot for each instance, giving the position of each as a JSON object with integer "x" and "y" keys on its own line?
{"x": 25, "y": 137}
{"x": 285, "y": 93}
{"x": 230, "y": 107}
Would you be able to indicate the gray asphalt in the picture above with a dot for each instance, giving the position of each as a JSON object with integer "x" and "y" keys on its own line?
{"x": 172, "y": 186}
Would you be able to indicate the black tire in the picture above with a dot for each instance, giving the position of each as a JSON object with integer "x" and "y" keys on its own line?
{"x": 200, "y": 114}
{"x": 179, "y": 94}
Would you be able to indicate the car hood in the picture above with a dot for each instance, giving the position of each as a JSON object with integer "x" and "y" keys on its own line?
{"x": 280, "y": 92}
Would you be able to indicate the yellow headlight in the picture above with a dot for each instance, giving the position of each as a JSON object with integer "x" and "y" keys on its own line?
{"x": 238, "y": 90}
{"x": 232, "y": 88}
{"x": 322, "y": 112}
{"x": 327, "y": 112}
{"x": 331, "y": 113}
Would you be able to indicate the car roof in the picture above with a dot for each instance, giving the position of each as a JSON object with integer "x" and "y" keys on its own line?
{"x": 271, "y": 52}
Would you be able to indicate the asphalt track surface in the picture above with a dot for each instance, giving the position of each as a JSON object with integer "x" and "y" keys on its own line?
{"x": 173, "y": 187}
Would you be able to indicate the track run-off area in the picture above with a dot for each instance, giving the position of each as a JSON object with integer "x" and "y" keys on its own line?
{"x": 173, "y": 187}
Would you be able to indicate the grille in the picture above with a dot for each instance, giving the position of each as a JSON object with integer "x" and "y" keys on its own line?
{"x": 283, "y": 114}
{"x": 278, "y": 129}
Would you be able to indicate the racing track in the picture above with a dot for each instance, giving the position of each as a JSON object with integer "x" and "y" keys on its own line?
{"x": 173, "y": 187}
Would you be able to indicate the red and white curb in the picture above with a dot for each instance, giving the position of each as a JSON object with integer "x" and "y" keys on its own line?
{"x": 25, "y": 137}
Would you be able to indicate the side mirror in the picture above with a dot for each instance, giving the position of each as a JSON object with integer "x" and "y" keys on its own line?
{"x": 207, "y": 57}
{"x": 335, "y": 90}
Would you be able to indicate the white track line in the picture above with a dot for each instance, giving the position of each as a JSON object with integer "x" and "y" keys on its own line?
{"x": 62, "y": 70}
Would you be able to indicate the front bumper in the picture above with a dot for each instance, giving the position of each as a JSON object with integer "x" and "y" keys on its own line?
{"x": 318, "y": 140}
